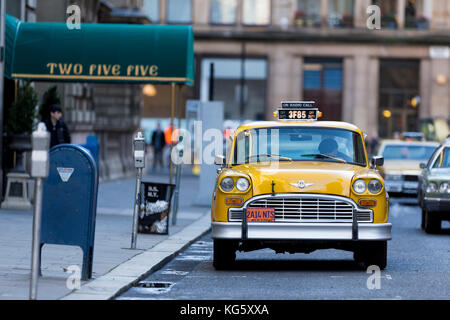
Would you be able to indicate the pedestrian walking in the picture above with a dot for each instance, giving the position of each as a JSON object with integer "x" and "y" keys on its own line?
{"x": 59, "y": 133}
{"x": 158, "y": 143}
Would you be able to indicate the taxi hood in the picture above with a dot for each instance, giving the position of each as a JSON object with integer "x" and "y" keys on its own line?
{"x": 319, "y": 177}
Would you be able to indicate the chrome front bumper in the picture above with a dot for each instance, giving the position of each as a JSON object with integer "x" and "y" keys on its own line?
{"x": 301, "y": 231}
{"x": 334, "y": 228}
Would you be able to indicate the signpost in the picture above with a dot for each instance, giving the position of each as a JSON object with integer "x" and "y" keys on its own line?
{"x": 139, "y": 164}
{"x": 39, "y": 170}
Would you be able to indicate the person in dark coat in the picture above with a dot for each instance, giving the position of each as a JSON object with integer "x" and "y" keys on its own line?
{"x": 158, "y": 143}
{"x": 59, "y": 133}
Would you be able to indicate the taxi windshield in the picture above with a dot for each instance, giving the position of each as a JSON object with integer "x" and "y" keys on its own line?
{"x": 299, "y": 144}
{"x": 408, "y": 152}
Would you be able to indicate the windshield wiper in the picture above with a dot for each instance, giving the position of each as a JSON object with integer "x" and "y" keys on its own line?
{"x": 268, "y": 156}
{"x": 323, "y": 156}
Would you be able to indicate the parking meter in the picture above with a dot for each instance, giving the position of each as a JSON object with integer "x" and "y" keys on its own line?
{"x": 139, "y": 163}
{"x": 39, "y": 170}
{"x": 139, "y": 151}
{"x": 40, "y": 140}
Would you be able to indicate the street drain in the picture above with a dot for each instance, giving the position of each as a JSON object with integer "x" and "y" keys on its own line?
{"x": 153, "y": 287}
{"x": 152, "y": 284}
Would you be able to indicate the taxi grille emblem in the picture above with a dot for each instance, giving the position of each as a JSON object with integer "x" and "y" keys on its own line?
{"x": 301, "y": 184}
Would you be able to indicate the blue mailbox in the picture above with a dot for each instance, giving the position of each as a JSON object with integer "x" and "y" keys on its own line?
{"x": 69, "y": 203}
{"x": 93, "y": 147}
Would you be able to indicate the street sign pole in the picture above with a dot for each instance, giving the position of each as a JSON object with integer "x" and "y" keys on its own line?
{"x": 39, "y": 171}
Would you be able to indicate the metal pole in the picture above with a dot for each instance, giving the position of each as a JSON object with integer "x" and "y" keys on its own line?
{"x": 136, "y": 208}
{"x": 172, "y": 112}
{"x": 211, "y": 81}
{"x": 178, "y": 173}
{"x": 36, "y": 239}
{"x": 2, "y": 48}
{"x": 242, "y": 82}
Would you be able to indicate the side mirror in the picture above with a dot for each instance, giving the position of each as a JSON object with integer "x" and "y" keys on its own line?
{"x": 377, "y": 161}
{"x": 423, "y": 165}
{"x": 219, "y": 160}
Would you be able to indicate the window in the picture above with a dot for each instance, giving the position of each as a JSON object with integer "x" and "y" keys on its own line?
{"x": 299, "y": 144}
{"x": 223, "y": 11}
{"x": 227, "y": 86}
{"x": 151, "y": 9}
{"x": 308, "y": 13}
{"x": 408, "y": 152}
{"x": 340, "y": 13}
{"x": 322, "y": 82}
{"x": 179, "y": 11}
{"x": 256, "y": 12}
{"x": 445, "y": 162}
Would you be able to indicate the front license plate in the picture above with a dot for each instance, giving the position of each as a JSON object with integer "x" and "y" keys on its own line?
{"x": 260, "y": 214}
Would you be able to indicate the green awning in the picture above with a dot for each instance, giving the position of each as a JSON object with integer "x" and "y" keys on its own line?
{"x": 99, "y": 52}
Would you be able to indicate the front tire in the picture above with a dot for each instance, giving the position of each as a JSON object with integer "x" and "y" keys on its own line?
{"x": 422, "y": 225}
{"x": 224, "y": 254}
{"x": 372, "y": 253}
{"x": 432, "y": 224}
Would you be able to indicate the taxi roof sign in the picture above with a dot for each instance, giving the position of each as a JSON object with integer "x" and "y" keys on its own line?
{"x": 297, "y": 104}
{"x": 298, "y": 110}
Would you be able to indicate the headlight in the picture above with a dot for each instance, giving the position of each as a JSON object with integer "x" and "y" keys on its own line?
{"x": 432, "y": 187}
{"x": 395, "y": 177}
{"x": 444, "y": 187}
{"x": 227, "y": 184}
{"x": 375, "y": 186}
{"x": 359, "y": 186}
{"x": 242, "y": 184}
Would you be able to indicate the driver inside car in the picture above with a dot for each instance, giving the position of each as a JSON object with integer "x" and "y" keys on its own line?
{"x": 330, "y": 147}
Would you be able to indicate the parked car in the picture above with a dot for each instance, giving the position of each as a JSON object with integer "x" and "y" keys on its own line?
{"x": 298, "y": 185}
{"x": 401, "y": 167}
{"x": 434, "y": 189}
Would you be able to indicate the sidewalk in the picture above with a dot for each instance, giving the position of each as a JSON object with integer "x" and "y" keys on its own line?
{"x": 114, "y": 265}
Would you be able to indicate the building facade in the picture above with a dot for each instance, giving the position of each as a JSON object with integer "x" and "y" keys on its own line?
{"x": 384, "y": 80}
{"x": 109, "y": 111}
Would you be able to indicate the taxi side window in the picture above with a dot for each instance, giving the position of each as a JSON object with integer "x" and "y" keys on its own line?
{"x": 242, "y": 148}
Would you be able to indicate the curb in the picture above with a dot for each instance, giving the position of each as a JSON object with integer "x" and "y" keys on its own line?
{"x": 125, "y": 275}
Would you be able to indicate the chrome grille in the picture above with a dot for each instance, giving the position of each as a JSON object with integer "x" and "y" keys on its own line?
{"x": 306, "y": 209}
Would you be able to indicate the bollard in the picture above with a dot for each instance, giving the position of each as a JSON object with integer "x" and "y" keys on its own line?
{"x": 39, "y": 171}
{"x": 180, "y": 149}
{"x": 139, "y": 164}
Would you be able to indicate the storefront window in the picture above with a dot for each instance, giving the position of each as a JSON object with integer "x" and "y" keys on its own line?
{"x": 307, "y": 13}
{"x": 151, "y": 9}
{"x": 179, "y": 11}
{"x": 256, "y": 12}
{"x": 223, "y": 11}
{"x": 340, "y": 13}
{"x": 227, "y": 86}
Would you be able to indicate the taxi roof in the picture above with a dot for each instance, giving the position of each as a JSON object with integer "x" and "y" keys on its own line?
{"x": 292, "y": 123}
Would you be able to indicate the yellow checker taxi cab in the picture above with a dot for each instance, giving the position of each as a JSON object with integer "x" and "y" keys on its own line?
{"x": 298, "y": 185}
